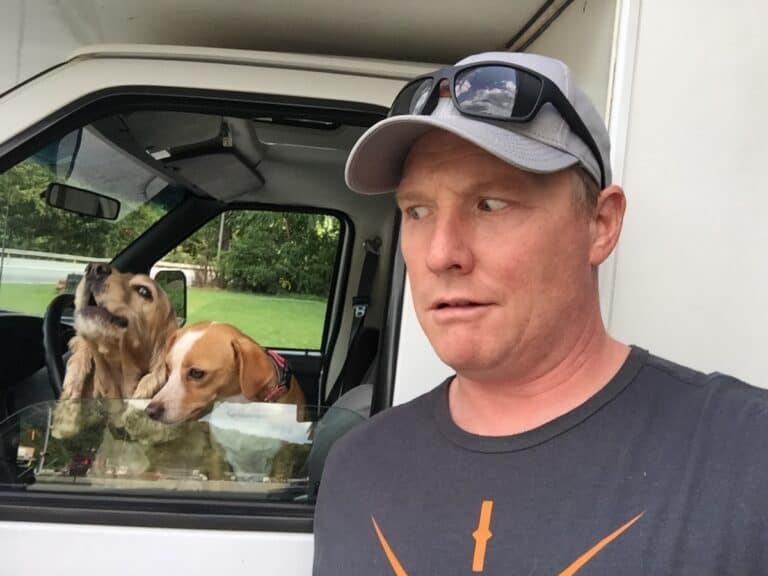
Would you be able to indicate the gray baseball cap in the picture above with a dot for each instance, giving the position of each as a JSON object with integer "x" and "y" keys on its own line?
{"x": 545, "y": 144}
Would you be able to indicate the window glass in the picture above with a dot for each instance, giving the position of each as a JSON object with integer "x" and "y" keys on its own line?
{"x": 257, "y": 450}
{"x": 44, "y": 248}
{"x": 268, "y": 273}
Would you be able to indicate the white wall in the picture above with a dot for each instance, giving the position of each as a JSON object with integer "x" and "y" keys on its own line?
{"x": 33, "y": 37}
{"x": 692, "y": 270}
{"x": 582, "y": 37}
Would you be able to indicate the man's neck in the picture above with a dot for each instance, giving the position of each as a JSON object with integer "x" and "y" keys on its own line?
{"x": 503, "y": 408}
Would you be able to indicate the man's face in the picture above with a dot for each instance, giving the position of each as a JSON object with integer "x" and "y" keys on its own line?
{"x": 498, "y": 259}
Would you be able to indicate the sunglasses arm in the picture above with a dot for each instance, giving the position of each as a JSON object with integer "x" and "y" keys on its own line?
{"x": 574, "y": 121}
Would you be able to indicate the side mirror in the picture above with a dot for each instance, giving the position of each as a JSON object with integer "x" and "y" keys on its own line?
{"x": 81, "y": 201}
{"x": 174, "y": 282}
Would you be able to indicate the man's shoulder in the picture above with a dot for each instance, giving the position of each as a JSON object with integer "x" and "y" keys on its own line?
{"x": 705, "y": 382}
{"x": 388, "y": 428}
{"x": 721, "y": 395}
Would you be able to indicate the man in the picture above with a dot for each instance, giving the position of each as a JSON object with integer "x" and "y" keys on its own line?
{"x": 555, "y": 449}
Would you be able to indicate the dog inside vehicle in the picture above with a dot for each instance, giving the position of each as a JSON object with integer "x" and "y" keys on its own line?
{"x": 122, "y": 322}
{"x": 211, "y": 361}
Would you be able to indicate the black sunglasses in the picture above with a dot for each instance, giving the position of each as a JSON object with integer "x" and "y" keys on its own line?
{"x": 494, "y": 91}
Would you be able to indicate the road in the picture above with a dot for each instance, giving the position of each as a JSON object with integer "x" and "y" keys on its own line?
{"x": 32, "y": 271}
{"x": 17, "y": 270}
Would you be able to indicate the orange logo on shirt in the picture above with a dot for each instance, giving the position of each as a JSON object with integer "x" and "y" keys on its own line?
{"x": 483, "y": 534}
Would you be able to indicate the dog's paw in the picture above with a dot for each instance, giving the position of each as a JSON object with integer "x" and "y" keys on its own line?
{"x": 67, "y": 420}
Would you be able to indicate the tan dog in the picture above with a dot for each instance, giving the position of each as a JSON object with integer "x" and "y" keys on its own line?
{"x": 212, "y": 361}
{"x": 122, "y": 323}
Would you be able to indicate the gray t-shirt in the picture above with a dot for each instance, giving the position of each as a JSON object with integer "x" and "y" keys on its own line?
{"x": 663, "y": 471}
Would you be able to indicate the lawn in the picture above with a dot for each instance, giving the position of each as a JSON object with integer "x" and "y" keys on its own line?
{"x": 270, "y": 320}
{"x": 27, "y": 298}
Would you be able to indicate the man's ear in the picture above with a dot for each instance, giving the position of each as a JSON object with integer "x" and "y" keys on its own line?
{"x": 254, "y": 367}
{"x": 607, "y": 220}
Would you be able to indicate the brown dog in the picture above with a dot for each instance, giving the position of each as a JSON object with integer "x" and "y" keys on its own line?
{"x": 122, "y": 323}
{"x": 212, "y": 361}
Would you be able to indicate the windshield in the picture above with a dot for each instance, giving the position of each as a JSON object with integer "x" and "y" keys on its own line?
{"x": 43, "y": 248}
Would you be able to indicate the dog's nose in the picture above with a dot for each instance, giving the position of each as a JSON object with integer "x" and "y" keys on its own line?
{"x": 97, "y": 271}
{"x": 155, "y": 410}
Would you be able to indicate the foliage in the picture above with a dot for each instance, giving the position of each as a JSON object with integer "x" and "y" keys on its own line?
{"x": 265, "y": 252}
{"x": 280, "y": 253}
{"x": 201, "y": 248}
{"x": 30, "y": 224}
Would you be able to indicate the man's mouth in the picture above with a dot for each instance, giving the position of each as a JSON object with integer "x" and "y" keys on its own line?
{"x": 96, "y": 310}
{"x": 457, "y": 304}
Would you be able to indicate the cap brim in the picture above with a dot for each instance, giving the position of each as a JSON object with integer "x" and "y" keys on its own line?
{"x": 375, "y": 163}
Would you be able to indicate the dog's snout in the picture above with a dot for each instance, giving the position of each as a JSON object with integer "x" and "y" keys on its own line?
{"x": 97, "y": 271}
{"x": 102, "y": 270}
{"x": 155, "y": 410}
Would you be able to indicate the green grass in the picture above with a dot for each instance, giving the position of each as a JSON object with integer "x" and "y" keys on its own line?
{"x": 270, "y": 320}
{"x": 27, "y": 298}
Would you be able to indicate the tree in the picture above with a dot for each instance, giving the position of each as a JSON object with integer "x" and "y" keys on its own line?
{"x": 274, "y": 253}
{"x": 201, "y": 248}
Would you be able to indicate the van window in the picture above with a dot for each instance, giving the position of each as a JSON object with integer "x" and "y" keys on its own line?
{"x": 257, "y": 451}
{"x": 269, "y": 273}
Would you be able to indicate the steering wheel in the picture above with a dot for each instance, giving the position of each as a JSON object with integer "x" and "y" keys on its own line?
{"x": 53, "y": 343}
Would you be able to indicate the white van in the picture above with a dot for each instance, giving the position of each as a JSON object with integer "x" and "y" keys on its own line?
{"x": 228, "y": 169}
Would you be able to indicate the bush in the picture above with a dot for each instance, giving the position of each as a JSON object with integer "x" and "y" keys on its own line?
{"x": 280, "y": 253}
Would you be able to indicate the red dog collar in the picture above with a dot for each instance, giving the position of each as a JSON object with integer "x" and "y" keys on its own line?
{"x": 283, "y": 372}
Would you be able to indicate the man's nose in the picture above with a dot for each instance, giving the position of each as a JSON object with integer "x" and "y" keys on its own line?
{"x": 97, "y": 271}
{"x": 450, "y": 245}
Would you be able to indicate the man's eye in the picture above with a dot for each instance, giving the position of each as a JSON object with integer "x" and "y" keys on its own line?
{"x": 491, "y": 205}
{"x": 416, "y": 212}
{"x": 195, "y": 373}
{"x": 144, "y": 292}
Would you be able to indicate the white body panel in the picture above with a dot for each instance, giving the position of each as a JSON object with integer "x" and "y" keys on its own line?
{"x": 692, "y": 276}
{"x": 39, "y": 98}
{"x": 65, "y": 549}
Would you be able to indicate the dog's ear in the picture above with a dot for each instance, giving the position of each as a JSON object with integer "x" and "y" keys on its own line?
{"x": 150, "y": 383}
{"x": 170, "y": 341}
{"x": 254, "y": 367}
{"x": 157, "y": 366}
{"x": 164, "y": 327}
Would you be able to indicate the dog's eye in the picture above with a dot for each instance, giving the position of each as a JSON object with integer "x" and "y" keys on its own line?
{"x": 144, "y": 292}
{"x": 195, "y": 373}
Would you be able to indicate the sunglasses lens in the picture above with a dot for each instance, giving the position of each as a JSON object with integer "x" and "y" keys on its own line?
{"x": 497, "y": 92}
{"x": 412, "y": 98}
